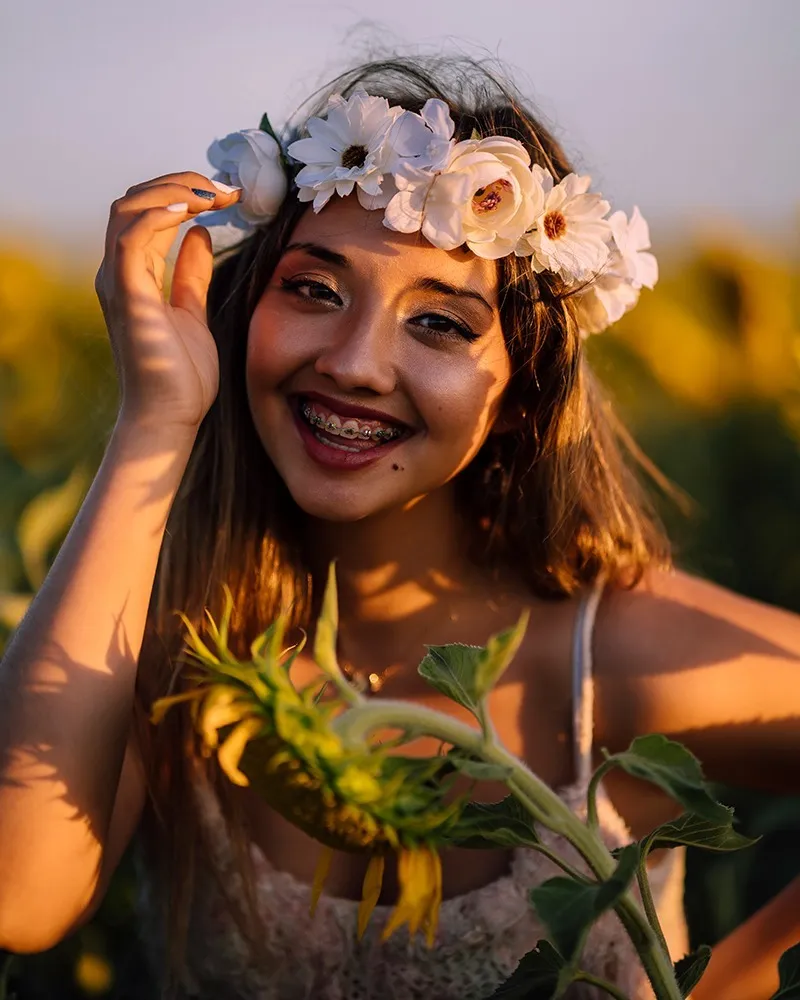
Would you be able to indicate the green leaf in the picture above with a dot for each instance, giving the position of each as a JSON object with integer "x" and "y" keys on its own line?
{"x": 693, "y": 831}
{"x": 265, "y": 125}
{"x": 498, "y": 654}
{"x": 540, "y": 975}
{"x": 475, "y": 135}
{"x": 788, "y": 975}
{"x": 675, "y": 770}
{"x": 466, "y": 674}
{"x": 326, "y": 631}
{"x": 480, "y": 770}
{"x": 494, "y": 824}
{"x": 689, "y": 969}
{"x": 568, "y": 908}
{"x": 453, "y": 669}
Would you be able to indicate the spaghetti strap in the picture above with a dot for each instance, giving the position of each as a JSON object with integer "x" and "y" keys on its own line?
{"x": 583, "y": 681}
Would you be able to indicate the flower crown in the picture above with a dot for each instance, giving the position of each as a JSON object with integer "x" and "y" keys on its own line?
{"x": 482, "y": 192}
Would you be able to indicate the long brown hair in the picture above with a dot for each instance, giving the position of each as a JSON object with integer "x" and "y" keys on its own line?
{"x": 556, "y": 495}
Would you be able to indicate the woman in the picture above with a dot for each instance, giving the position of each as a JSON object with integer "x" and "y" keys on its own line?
{"x": 388, "y": 371}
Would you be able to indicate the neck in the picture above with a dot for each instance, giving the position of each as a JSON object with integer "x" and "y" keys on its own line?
{"x": 397, "y": 573}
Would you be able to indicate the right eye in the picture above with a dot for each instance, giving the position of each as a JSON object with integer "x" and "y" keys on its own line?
{"x": 310, "y": 290}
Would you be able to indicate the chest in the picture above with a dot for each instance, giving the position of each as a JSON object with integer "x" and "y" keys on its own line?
{"x": 531, "y": 711}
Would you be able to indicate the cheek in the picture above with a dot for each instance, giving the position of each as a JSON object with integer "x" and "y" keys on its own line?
{"x": 463, "y": 396}
{"x": 273, "y": 349}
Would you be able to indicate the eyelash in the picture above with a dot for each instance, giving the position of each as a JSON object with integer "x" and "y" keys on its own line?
{"x": 293, "y": 286}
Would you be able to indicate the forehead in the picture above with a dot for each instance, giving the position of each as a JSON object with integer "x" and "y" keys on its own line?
{"x": 380, "y": 253}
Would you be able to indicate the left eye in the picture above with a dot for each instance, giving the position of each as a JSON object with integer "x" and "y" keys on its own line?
{"x": 312, "y": 291}
{"x": 444, "y": 326}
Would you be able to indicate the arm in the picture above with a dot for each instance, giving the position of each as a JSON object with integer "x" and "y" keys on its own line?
{"x": 717, "y": 671}
{"x": 66, "y": 697}
{"x": 744, "y": 965}
{"x": 721, "y": 674}
{"x": 71, "y": 783}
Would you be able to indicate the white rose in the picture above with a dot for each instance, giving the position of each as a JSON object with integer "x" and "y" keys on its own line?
{"x": 251, "y": 160}
{"x": 485, "y": 197}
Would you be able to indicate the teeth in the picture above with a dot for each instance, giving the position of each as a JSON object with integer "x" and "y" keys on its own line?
{"x": 350, "y": 429}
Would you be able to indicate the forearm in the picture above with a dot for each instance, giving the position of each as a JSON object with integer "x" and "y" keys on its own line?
{"x": 744, "y": 965}
{"x": 67, "y": 680}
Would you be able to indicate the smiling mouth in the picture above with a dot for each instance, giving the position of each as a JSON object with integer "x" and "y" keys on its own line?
{"x": 347, "y": 433}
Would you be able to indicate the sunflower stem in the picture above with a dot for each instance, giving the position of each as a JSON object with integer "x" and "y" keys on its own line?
{"x": 355, "y": 725}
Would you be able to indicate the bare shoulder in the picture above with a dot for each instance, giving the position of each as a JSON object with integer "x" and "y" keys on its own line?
{"x": 681, "y": 655}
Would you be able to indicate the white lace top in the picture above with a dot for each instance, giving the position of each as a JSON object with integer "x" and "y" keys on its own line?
{"x": 481, "y": 936}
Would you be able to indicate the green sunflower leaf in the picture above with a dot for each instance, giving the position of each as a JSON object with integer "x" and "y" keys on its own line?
{"x": 498, "y": 654}
{"x": 568, "y": 908}
{"x": 689, "y": 969}
{"x": 541, "y": 975}
{"x": 494, "y": 824}
{"x": 692, "y": 830}
{"x": 453, "y": 670}
{"x": 789, "y": 975}
{"x": 466, "y": 674}
{"x": 675, "y": 770}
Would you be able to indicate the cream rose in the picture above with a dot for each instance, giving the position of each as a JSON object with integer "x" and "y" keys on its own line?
{"x": 485, "y": 197}
{"x": 251, "y": 159}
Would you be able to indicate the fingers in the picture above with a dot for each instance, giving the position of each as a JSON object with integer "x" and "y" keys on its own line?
{"x": 188, "y": 178}
{"x": 142, "y": 227}
{"x": 152, "y": 195}
{"x": 192, "y": 274}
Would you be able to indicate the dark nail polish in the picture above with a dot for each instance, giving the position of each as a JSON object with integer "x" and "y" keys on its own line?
{"x": 204, "y": 194}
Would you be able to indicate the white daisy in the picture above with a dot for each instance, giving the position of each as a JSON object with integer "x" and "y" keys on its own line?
{"x": 632, "y": 238}
{"x": 349, "y": 149}
{"x": 603, "y": 302}
{"x": 571, "y": 235}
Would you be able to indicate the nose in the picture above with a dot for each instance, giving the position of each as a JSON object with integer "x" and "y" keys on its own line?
{"x": 360, "y": 356}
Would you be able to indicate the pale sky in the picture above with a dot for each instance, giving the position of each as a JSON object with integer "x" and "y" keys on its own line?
{"x": 688, "y": 108}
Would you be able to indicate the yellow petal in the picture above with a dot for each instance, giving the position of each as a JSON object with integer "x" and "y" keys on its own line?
{"x": 321, "y": 873}
{"x": 431, "y": 920}
{"x": 222, "y": 706}
{"x": 161, "y": 706}
{"x": 230, "y": 753}
{"x": 412, "y": 875}
{"x": 370, "y": 891}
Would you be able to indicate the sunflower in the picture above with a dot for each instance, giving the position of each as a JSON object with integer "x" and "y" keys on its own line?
{"x": 348, "y": 796}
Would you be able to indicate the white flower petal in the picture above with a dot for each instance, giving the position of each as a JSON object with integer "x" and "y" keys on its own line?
{"x": 436, "y": 115}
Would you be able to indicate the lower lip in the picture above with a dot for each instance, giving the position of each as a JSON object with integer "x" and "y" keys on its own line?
{"x": 334, "y": 458}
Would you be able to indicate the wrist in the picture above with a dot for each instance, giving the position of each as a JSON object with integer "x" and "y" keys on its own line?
{"x": 147, "y": 436}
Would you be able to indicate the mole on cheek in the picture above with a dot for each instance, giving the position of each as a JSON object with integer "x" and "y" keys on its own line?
{"x": 396, "y": 467}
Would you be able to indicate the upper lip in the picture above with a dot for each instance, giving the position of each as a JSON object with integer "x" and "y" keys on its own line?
{"x": 344, "y": 409}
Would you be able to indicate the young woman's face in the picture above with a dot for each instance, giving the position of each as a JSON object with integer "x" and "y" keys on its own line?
{"x": 375, "y": 363}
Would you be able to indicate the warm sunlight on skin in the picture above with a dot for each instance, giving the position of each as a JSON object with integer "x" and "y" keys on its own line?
{"x": 375, "y": 327}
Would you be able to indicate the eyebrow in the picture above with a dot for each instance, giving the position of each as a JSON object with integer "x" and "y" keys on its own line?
{"x": 423, "y": 284}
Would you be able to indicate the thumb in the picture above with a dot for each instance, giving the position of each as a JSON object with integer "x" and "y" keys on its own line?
{"x": 192, "y": 274}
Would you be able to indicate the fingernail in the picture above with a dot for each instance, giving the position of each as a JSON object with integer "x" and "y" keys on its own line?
{"x": 204, "y": 194}
{"x": 226, "y": 188}
{"x": 179, "y": 206}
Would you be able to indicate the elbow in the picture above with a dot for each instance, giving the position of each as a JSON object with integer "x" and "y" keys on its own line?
{"x": 32, "y": 927}
{"x": 28, "y": 938}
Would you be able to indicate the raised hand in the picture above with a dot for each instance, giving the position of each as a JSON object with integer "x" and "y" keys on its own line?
{"x": 165, "y": 355}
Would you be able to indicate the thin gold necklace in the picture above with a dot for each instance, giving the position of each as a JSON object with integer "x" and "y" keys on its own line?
{"x": 369, "y": 683}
